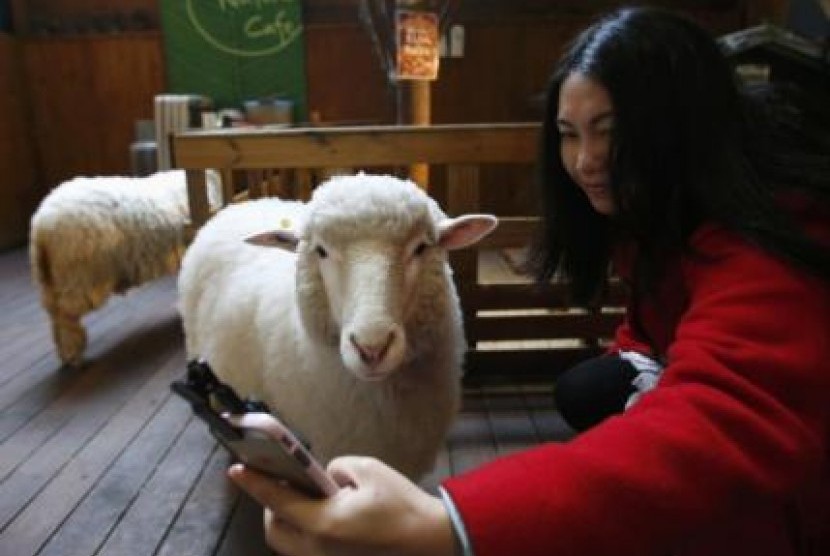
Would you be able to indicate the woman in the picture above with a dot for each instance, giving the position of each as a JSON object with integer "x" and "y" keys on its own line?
{"x": 716, "y": 213}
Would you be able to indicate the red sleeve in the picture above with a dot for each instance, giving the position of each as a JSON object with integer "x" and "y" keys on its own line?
{"x": 626, "y": 339}
{"x": 625, "y": 336}
{"x": 740, "y": 416}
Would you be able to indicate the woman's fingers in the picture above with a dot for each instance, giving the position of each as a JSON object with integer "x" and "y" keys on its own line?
{"x": 289, "y": 504}
{"x": 350, "y": 471}
{"x": 383, "y": 513}
{"x": 280, "y": 535}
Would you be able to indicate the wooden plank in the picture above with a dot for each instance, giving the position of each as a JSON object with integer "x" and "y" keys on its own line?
{"x": 512, "y": 231}
{"x": 85, "y": 415}
{"x": 355, "y": 146}
{"x": 54, "y": 396}
{"x": 471, "y": 441}
{"x": 92, "y": 521}
{"x": 227, "y": 185}
{"x": 198, "y": 529}
{"x": 244, "y": 535}
{"x": 24, "y": 350}
{"x": 508, "y": 418}
{"x": 558, "y": 325}
{"x": 24, "y": 397}
{"x": 197, "y": 197}
{"x": 23, "y": 313}
{"x": 303, "y": 184}
{"x": 26, "y": 365}
{"x": 26, "y": 336}
{"x": 546, "y": 420}
{"x": 62, "y": 482}
{"x": 520, "y": 365}
{"x": 15, "y": 277}
{"x": 527, "y": 296}
{"x": 463, "y": 196}
{"x": 143, "y": 526}
{"x": 16, "y": 298}
{"x": 99, "y": 390}
{"x": 14, "y": 269}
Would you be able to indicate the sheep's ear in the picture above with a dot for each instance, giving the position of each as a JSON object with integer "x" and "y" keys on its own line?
{"x": 457, "y": 233}
{"x": 284, "y": 239}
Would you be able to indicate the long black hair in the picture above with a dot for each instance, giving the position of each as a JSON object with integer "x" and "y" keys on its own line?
{"x": 689, "y": 145}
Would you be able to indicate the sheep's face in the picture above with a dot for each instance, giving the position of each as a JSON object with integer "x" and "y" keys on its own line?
{"x": 370, "y": 284}
{"x": 371, "y": 260}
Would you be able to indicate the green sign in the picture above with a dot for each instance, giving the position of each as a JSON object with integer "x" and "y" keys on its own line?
{"x": 236, "y": 50}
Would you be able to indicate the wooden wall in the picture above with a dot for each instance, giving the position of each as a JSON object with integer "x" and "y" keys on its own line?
{"x": 30, "y": 16}
{"x": 17, "y": 158}
{"x": 509, "y": 51}
{"x": 86, "y": 91}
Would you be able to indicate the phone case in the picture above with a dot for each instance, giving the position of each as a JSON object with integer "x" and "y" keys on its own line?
{"x": 284, "y": 457}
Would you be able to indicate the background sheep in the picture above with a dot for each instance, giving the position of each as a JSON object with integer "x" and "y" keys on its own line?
{"x": 356, "y": 339}
{"x": 95, "y": 236}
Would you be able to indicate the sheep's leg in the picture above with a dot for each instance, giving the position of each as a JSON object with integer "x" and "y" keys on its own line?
{"x": 67, "y": 331}
{"x": 70, "y": 337}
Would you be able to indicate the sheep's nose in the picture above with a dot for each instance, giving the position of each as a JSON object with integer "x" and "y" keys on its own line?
{"x": 372, "y": 354}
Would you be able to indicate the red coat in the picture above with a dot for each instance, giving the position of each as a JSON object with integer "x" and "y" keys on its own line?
{"x": 729, "y": 455}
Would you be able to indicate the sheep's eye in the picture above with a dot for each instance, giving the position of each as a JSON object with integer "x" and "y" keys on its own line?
{"x": 321, "y": 252}
{"x": 420, "y": 249}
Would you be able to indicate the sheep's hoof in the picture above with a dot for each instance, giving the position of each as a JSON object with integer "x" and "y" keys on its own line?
{"x": 72, "y": 355}
{"x": 70, "y": 342}
{"x": 71, "y": 359}
{"x": 71, "y": 366}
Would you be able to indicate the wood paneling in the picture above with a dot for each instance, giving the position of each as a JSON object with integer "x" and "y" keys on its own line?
{"x": 17, "y": 162}
{"x": 340, "y": 11}
{"x": 501, "y": 77}
{"x": 345, "y": 82}
{"x": 86, "y": 94}
{"x": 78, "y": 16}
{"x": 87, "y": 91}
{"x": 505, "y": 66}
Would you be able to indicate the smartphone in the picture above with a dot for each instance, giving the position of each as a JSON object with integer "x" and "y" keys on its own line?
{"x": 264, "y": 443}
{"x": 269, "y": 446}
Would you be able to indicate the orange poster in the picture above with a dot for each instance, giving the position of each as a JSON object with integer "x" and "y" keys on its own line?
{"x": 417, "y": 43}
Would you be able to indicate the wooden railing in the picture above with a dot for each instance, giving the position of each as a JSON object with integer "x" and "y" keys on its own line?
{"x": 516, "y": 330}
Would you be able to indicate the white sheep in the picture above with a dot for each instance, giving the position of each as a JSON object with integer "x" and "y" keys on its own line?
{"x": 92, "y": 237}
{"x": 351, "y": 332}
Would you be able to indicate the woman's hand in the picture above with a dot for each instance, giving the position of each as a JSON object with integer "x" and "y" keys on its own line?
{"x": 379, "y": 512}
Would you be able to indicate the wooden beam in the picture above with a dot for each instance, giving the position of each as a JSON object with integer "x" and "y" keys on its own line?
{"x": 547, "y": 326}
{"x": 355, "y": 146}
{"x": 421, "y": 115}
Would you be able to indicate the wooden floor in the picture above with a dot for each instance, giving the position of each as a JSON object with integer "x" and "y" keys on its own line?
{"x": 103, "y": 460}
